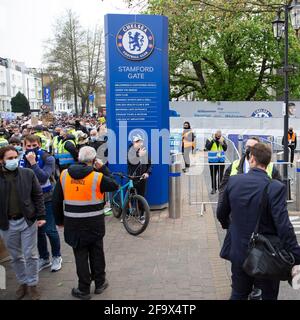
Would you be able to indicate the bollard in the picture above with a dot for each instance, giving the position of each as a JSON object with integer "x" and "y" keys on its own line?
{"x": 175, "y": 191}
{"x": 298, "y": 186}
{"x": 280, "y": 159}
{"x": 240, "y": 145}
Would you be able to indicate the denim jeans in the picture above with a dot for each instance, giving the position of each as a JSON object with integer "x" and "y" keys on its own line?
{"x": 50, "y": 230}
{"x": 21, "y": 243}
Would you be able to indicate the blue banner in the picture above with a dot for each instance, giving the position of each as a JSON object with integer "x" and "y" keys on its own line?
{"x": 137, "y": 75}
{"x": 47, "y": 95}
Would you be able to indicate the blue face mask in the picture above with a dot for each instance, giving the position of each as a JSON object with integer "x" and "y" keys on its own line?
{"x": 93, "y": 139}
{"x": 19, "y": 149}
{"x": 11, "y": 165}
{"x": 35, "y": 150}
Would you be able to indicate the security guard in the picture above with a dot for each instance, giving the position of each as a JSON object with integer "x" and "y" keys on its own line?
{"x": 3, "y": 141}
{"x": 78, "y": 202}
{"x": 188, "y": 144}
{"x": 67, "y": 153}
{"x": 55, "y": 141}
{"x": 243, "y": 166}
{"x": 292, "y": 143}
{"x": 216, "y": 147}
{"x": 39, "y": 131}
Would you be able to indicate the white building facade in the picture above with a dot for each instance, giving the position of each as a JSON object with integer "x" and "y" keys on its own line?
{"x": 14, "y": 78}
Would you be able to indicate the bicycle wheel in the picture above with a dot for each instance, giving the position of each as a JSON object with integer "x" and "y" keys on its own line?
{"x": 116, "y": 205}
{"x": 136, "y": 215}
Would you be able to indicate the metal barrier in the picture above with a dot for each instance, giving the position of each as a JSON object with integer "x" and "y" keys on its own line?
{"x": 232, "y": 152}
{"x": 175, "y": 191}
{"x": 199, "y": 180}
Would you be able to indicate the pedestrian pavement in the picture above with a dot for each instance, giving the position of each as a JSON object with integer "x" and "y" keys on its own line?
{"x": 172, "y": 259}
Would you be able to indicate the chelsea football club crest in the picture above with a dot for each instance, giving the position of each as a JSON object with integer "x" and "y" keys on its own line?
{"x": 261, "y": 113}
{"x": 135, "y": 41}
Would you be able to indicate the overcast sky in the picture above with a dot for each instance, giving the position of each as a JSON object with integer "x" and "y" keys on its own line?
{"x": 25, "y": 24}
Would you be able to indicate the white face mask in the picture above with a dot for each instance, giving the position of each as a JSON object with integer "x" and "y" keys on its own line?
{"x": 11, "y": 165}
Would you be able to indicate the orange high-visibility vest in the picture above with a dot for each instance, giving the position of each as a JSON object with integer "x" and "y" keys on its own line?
{"x": 82, "y": 197}
{"x": 293, "y": 137}
{"x": 186, "y": 142}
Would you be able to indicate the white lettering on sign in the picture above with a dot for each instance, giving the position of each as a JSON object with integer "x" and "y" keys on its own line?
{"x": 136, "y": 72}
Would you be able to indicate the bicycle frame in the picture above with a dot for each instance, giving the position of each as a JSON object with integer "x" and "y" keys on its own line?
{"x": 124, "y": 194}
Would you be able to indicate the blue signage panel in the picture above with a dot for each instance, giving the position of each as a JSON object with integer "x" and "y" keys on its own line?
{"x": 47, "y": 95}
{"x": 137, "y": 76}
{"x": 92, "y": 97}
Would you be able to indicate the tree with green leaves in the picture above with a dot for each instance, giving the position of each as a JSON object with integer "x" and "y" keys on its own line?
{"x": 225, "y": 50}
{"x": 20, "y": 104}
{"x": 74, "y": 58}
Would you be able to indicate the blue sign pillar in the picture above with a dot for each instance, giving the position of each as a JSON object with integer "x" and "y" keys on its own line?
{"x": 137, "y": 76}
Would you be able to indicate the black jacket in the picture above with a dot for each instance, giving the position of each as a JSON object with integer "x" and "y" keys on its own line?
{"x": 70, "y": 147}
{"x": 82, "y": 231}
{"x": 293, "y": 145}
{"x": 238, "y": 212}
{"x": 137, "y": 166}
{"x": 30, "y": 197}
{"x": 103, "y": 151}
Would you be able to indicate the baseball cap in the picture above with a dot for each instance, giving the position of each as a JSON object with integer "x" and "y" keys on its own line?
{"x": 137, "y": 138}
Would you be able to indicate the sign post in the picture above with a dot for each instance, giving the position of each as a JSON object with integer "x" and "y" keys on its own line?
{"x": 137, "y": 76}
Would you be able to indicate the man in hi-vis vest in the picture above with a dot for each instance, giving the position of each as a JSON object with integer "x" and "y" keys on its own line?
{"x": 292, "y": 143}
{"x": 78, "y": 203}
{"x": 216, "y": 147}
{"x": 188, "y": 144}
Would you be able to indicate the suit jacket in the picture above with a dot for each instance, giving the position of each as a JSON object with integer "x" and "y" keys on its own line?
{"x": 238, "y": 212}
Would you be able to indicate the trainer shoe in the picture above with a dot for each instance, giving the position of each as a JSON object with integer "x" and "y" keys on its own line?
{"x": 56, "y": 264}
{"x": 108, "y": 212}
{"x": 44, "y": 263}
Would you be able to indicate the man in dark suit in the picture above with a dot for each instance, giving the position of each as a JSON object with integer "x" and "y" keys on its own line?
{"x": 238, "y": 212}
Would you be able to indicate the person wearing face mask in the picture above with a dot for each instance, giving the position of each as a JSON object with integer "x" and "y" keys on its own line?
{"x": 22, "y": 213}
{"x": 292, "y": 143}
{"x": 188, "y": 144}
{"x": 139, "y": 164}
{"x": 56, "y": 139}
{"x": 216, "y": 147}
{"x": 43, "y": 165}
{"x": 67, "y": 153}
{"x": 242, "y": 166}
{"x": 239, "y": 212}
{"x": 17, "y": 143}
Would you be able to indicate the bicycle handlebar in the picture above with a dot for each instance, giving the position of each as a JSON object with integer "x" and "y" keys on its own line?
{"x": 123, "y": 175}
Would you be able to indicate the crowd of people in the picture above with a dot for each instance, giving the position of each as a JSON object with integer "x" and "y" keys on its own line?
{"x": 55, "y": 176}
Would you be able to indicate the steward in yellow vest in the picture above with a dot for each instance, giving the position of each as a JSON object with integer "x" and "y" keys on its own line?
{"x": 242, "y": 167}
{"x": 67, "y": 153}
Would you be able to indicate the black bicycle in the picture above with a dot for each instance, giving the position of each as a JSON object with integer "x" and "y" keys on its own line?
{"x": 133, "y": 208}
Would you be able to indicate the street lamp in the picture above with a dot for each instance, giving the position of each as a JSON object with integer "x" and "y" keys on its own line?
{"x": 281, "y": 30}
